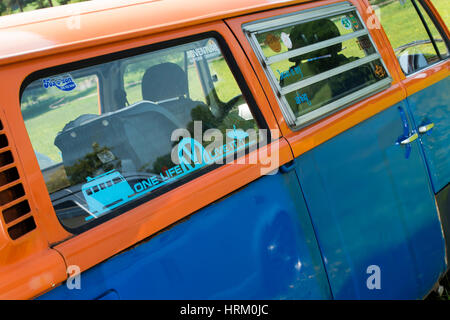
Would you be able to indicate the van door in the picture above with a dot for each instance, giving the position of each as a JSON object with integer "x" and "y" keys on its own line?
{"x": 372, "y": 206}
{"x": 430, "y": 109}
{"x": 427, "y": 84}
{"x": 356, "y": 153}
{"x": 422, "y": 55}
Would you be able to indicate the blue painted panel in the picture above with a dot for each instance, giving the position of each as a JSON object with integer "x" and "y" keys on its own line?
{"x": 257, "y": 243}
{"x": 370, "y": 205}
{"x": 432, "y": 104}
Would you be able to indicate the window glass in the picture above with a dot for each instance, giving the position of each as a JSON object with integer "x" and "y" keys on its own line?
{"x": 288, "y": 71}
{"x": 225, "y": 92}
{"x": 320, "y": 65}
{"x": 50, "y": 104}
{"x": 407, "y": 34}
{"x": 134, "y": 71}
{"x": 280, "y": 40}
{"x": 440, "y": 44}
{"x": 444, "y": 10}
{"x": 142, "y": 144}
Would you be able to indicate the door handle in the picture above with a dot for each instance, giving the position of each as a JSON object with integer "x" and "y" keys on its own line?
{"x": 285, "y": 168}
{"x": 410, "y": 139}
{"x": 426, "y": 128}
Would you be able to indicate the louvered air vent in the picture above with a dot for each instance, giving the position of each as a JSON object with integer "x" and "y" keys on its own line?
{"x": 14, "y": 205}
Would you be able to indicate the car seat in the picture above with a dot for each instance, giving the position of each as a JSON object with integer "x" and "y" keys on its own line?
{"x": 166, "y": 85}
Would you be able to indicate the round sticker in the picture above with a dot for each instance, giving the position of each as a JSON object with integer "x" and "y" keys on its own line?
{"x": 379, "y": 71}
{"x": 273, "y": 42}
{"x": 286, "y": 40}
{"x": 346, "y": 23}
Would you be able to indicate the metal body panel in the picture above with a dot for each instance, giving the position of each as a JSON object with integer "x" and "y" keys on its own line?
{"x": 432, "y": 105}
{"x": 256, "y": 244}
{"x": 372, "y": 205}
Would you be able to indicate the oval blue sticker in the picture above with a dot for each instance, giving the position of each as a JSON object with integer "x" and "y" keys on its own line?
{"x": 64, "y": 82}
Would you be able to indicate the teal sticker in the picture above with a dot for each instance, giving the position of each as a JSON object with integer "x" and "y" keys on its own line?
{"x": 291, "y": 72}
{"x": 302, "y": 98}
{"x": 346, "y": 23}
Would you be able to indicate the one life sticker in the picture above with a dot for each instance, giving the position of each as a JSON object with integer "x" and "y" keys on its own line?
{"x": 64, "y": 82}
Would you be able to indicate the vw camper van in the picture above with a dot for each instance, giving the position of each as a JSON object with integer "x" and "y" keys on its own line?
{"x": 240, "y": 149}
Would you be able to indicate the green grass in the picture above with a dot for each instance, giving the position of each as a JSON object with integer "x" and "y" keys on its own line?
{"x": 43, "y": 128}
{"x": 33, "y": 6}
{"x": 394, "y": 14}
{"x": 443, "y": 7}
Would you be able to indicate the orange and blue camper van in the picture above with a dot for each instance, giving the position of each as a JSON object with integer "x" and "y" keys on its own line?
{"x": 241, "y": 149}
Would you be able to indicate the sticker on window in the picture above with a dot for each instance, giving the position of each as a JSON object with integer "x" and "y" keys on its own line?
{"x": 209, "y": 51}
{"x": 273, "y": 42}
{"x": 110, "y": 190}
{"x": 64, "y": 82}
{"x": 286, "y": 40}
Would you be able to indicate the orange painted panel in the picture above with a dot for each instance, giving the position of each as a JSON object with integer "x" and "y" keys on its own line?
{"x": 32, "y": 276}
{"x": 427, "y": 77}
{"x": 323, "y": 130}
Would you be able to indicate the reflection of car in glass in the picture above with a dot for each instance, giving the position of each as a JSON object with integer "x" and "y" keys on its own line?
{"x": 415, "y": 60}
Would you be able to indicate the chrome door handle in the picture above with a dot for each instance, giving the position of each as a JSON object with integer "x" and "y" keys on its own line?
{"x": 425, "y": 128}
{"x": 410, "y": 139}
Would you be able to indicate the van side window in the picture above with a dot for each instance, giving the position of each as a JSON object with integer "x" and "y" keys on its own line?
{"x": 443, "y": 9}
{"x": 135, "y": 69}
{"x": 145, "y": 141}
{"x": 435, "y": 35}
{"x": 318, "y": 60}
{"x": 416, "y": 45}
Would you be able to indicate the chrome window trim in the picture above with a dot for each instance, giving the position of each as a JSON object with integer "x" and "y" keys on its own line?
{"x": 292, "y": 18}
{"x": 315, "y": 46}
{"x": 342, "y": 103}
{"x": 328, "y": 74}
{"x": 253, "y": 28}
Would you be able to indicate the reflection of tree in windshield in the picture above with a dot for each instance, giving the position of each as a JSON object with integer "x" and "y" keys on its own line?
{"x": 91, "y": 164}
{"x": 57, "y": 180}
